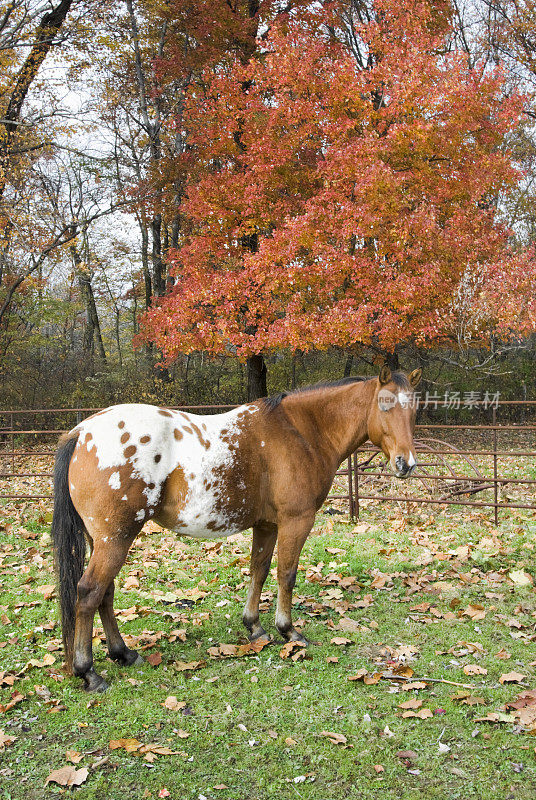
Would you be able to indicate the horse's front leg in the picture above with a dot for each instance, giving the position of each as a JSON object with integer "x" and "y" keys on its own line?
{"x": 292, "y": 534}
{"x": 117, "y": 649}
{"x": 262, "y": 548}
{"x": 105, "y": 562}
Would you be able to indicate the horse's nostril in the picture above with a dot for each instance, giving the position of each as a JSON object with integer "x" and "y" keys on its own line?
{"x": 401, "y": 464}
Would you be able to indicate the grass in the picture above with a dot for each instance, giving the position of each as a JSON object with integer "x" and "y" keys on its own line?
{"x": 252, "y": 727}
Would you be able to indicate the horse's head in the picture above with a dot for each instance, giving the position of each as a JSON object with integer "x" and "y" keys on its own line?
{"x": 391, "y": 420}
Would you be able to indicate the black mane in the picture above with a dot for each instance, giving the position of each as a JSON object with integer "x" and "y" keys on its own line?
{"x": 275, "y": 400}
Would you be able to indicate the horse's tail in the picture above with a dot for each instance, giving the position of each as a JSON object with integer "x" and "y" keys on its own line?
{"x": 69, "y": 542}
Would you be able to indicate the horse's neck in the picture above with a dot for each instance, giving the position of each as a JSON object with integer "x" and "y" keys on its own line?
{"x": 334, "y": 418}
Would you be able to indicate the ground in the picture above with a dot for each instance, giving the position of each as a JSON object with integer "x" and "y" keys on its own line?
{"x": 390, "y": 602}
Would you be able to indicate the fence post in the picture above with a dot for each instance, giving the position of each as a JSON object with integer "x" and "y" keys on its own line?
{"x": 495, "y": 472}
{"x": 350, "y": 488}
{"x": 356, "y": 488}
{"x": 12, "y": 445}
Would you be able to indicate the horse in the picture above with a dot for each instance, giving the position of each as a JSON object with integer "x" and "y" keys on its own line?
{"x": 267, "y": 465}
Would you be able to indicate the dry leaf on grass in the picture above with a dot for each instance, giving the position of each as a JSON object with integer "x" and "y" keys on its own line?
{"x": 520, "y": 578}
{"x": 512, "y": 677}
{"x": 130, "y": 745}
{"x": 369, "y": 679}
{"x": 68, "y": 776}
{"x": 422, "y": 713}
{"x": 5, "y": 741}
{"x": 496, "y": 716}
{"x": 412, "y": 703}
{"x": 186, "y": 666}
{"x": 335, "y": 738}
{"x": 173, "y": 704}
{"x": 292, "y": 650}
{"x": 154, "y": 659}
{"x": 340, "y": 640}
{"x": 16, "y": 697}
{"x": 475, "y": 669}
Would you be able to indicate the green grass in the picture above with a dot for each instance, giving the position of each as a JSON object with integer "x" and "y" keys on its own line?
{"x": 257, "y": 728}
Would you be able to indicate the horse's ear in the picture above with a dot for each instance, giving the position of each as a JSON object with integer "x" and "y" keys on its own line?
{"x": 385, "y": 375}
{"x": 415, "y": 377}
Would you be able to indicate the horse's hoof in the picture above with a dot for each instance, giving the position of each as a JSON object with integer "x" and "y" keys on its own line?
{"x": 130, "y": 658}
{"x": 139, "y": 660}
{"x": 127, "y": 658}
{"x": 96, "y": 684}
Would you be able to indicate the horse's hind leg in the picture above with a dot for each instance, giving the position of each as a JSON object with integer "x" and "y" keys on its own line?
{"x": 117, "y": 649}
{"x": 291, "y": 538}
{"x": 106, "y": 560}
{"x": 262, "y": 548}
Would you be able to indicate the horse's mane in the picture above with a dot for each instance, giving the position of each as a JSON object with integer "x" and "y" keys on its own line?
{"x": 272, "y": 402}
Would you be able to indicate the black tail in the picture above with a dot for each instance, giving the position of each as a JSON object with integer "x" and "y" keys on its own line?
{"x": 69, "y": 545}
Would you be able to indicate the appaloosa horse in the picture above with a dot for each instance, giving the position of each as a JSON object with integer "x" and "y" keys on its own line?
{"x": 267, "y": 465}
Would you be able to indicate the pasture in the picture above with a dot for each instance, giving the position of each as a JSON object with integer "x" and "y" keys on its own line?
{"x": 402, "y": 609}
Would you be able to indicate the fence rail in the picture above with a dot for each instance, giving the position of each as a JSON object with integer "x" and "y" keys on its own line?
{"x": 484, "y": 463}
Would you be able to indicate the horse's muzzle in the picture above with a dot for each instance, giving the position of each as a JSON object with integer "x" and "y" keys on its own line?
{"x": 403, "y": 469}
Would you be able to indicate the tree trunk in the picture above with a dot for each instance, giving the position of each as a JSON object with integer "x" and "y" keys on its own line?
{"x": 93, "y": 331}
{"x": 348, "y": 365}
{"x": 159, "y": 284}
{"x": 45, "y": 33}
{"x": 256, "y": 369}
{"x": 145, "y": 264}
{"x": 391, "y": 359}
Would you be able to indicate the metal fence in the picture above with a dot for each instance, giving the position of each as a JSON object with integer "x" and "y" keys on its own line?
{"x": 493, "y": 461}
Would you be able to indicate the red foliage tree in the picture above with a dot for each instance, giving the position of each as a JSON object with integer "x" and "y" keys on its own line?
{"x": 345, "y": 180}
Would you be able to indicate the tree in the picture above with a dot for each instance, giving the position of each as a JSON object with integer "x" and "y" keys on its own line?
{"x": 365, "y": 163}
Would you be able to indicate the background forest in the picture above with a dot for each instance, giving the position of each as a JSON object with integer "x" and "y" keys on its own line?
{"x": 202, "y": 202}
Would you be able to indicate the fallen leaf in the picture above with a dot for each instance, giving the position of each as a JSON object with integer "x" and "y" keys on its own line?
{"x": 335, "y": 738}
{"x": 496, "y": 716}
{"x": 185, "y": 666}
{"x": 130, "y": 745}
{"x": 173, "y": 704}
{"x": 340, "y": 640}
{"x": 378, "y": 768}
{"x": 349, "y": 625}
{"x": 5, "y": 741}
{"x": 475, "y": 669}
{"x": 512, "y": 677}
{"x": 289, "y": 647}
{"x": 48, "y": 660}
{"x": 359, "y": 675}
{"x": 68, "y": 776}
{"x": 422, "y": 713}
{"x": 16, "y": 697}
{"x": 412, "y": 703}
{"x": 520, "y": 578}
{"x": 154, "y": 659}
{"x": 47, "y": 591}
{"x": 74, "y": 756}
{"x": 407, "y": 755}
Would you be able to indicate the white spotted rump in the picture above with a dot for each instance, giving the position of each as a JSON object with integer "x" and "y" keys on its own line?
{"x": 152, "y": 443}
